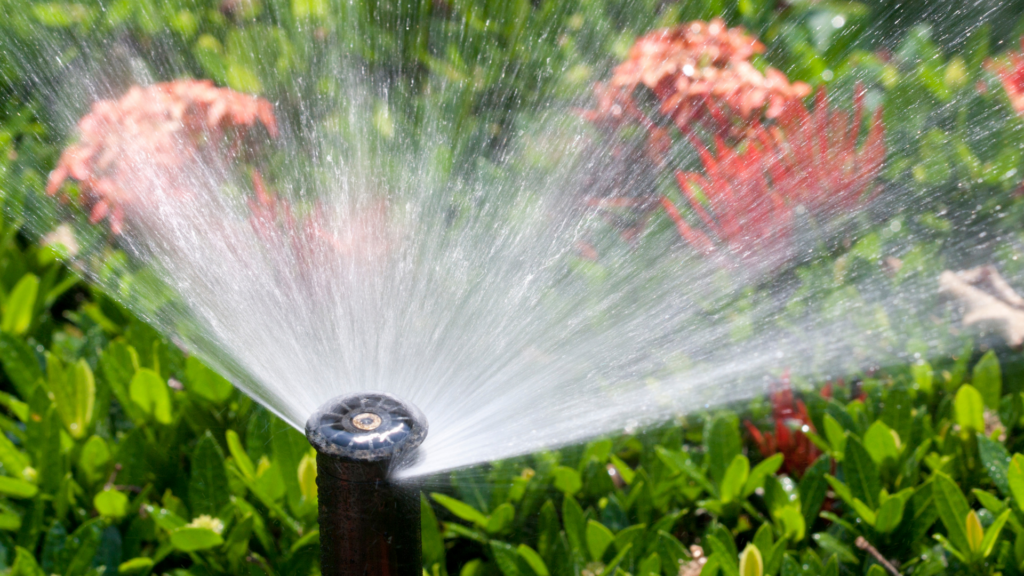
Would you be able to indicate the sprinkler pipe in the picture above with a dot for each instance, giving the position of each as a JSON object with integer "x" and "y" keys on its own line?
{"x": 369, "y": 524}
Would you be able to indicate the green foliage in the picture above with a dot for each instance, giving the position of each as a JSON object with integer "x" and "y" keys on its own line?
{"x": 119, "y": 454}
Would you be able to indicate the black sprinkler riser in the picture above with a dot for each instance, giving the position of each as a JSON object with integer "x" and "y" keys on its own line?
{"x": 369, "y": 525}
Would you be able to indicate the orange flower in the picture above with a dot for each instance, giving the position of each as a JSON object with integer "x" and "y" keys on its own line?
{"x": 150, "y": 136}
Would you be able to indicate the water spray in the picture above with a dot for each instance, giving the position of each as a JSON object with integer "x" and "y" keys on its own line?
{"x": 369, "y": 525}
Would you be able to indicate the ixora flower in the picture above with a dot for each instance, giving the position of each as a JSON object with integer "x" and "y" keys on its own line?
{"x": 816, "y": 161}
{"x": 748, "y": 195}
{"x": 151, "y": 136}
{"x": 1011, "y": 74}
{"x": 741, "y": 211}
{"x": 791, "y": 422}
{"x": 699, "y": 72}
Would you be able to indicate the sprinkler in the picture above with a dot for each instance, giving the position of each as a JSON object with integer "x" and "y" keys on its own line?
{"x": 369, "y": 525}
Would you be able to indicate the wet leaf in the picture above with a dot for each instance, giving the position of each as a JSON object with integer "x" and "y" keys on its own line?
{"x": 208, "y": 481}
{"x": 953, "y": 509}
{"x": 970, "y": 410}
{"x": 460, "y": 509}
{"x": 111, "y": 503}
{"x": 150, "y": 393}
{"x": 987, "y": 378}
{"x": 195, "y": 539}
{"x": 599, "y": 537}
{"x": 19, "y": 306}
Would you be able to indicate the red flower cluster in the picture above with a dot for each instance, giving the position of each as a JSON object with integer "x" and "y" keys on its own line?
{"x": 1012, "y": 77}
{"x": 160, "y": 129}
{"x": 699, "y": 72}
{"x": 817, "y": 163}
{"x": 772, "y": 156}
{"x": 808, "y": 160}
{"x": 791, "y": 421}
{"x": 744, "y": 212}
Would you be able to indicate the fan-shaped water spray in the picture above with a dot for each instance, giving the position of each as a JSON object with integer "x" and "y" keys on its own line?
{"x": 536, "y": 293}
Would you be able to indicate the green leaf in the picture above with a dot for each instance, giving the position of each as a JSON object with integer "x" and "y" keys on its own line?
{"x": 206, "y": 383}
{"x": 118, "y": 364}
{"x": 238, "y": 453}
{"x": 150, "y": 393}
{"x": 953, "y": 509}
{"x": 94, "y": 460}
{"x": 923, "y": 376}
{"x": 989, "y": 501}
{"x": 996, "y": 461}
{"x": 599, "y": 537}
{"x": 992, "y": 534}
{"x": 501, "y": 518}
{"x": 460, "y": 509}
{"x": 20, "y": 305}
{"x": 792, "y": 522}
{"x": 975, "y": 534}
{"x": 877, "y": 570}
{"x": 880, "y": 442}
{"x": 970, "y": 410}
{"x": 813, "y": 489}
{"x": 890, "y": 514}
{"x": 289, "y": 448}
{"x": 751, "y": 563}
{"x": 650, "y": 565}
{"x": 987, "y": 378}
{"x": 680, "y": 462}
{"x": 208, "y": 483}
{"x": 534, "y": 560}
{"x": 506, "y": 557}
{"x": 727, "y": 557}
{"x": 20, "y": 364}
{"x": 25, "y": 564}
{"x": 836, "y": 436}
{"x": 575, "y": 527}
{"x": 843, "y": 491}
{"x": 15, "y": 488}
{"x": 83, "y": 545}
{"x": 567, "y": 480}
{"x": 433, "y": 543}
{"x": 861, "y": 473}
{"x": 140, "y": 565}
{"x": 194, "y": 539}
{"x": 111, "y": 503}
{"x": 767, "y": 467}
{"x": 74, "y": 393}
{"x": 735, "y": 479}
{"x": 614, "y": 564}
{"x": 1014, "y": 477}
{"x": 722, "y": 444}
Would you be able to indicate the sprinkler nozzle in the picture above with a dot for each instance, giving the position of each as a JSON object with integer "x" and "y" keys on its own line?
{"x": 369, "y": 525}
{"x": 366, "y": 428}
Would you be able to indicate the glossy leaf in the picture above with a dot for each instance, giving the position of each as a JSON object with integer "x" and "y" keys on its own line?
{"x": 970, "y": 410}
{"x": 150, "y": 393}
{"x": 987, "y": 378}
{"x": 460, "y": 509}
{"x": 20, "y": 305}
{"x": 195, "y": 539}
{"x": 953, "y": 509}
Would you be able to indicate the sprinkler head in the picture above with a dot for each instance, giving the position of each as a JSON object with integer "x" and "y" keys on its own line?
{"x": 366, "y": 428}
